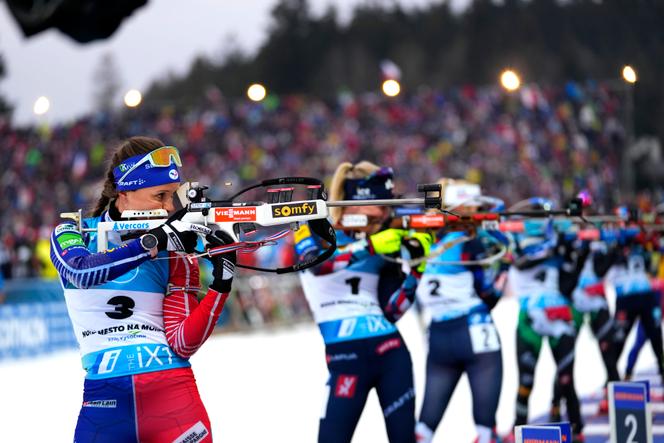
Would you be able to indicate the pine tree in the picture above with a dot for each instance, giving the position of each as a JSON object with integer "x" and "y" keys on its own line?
{"x": 107, "y": 84}
{"x": 5, "y": 108}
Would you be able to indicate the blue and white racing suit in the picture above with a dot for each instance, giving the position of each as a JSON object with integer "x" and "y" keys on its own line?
{"x": 364, "y": 350}
{"x": 137, "y": 322}
{"x": 462, "y": 337}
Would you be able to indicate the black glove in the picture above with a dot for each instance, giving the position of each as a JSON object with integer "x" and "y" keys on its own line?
{"x": 223, "y": 264}
{"x": 419, "y": 245}
{"x": 176, "y": 235}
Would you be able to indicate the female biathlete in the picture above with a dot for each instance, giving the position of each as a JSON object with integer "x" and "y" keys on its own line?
{"x": 137, "y": 320}
{"x": 657, "y": 269}
{"x": 636, "y": 297}
{"x": 459, "y": 295}
{"x": 537, "y": 277}
{"x": 589, "y": 300}
{"x": 355, "y": 296}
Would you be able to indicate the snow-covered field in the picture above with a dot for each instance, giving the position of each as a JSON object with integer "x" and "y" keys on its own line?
{"x": 268, "y": 386}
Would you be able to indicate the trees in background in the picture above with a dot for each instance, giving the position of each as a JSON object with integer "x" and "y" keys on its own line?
{"x": 5, "y": 108}
{"x": 546, "y": 40}
{"x": 107, "y": 82}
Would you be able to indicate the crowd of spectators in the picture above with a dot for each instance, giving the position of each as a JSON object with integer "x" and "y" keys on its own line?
{"x": 549, "y": 141}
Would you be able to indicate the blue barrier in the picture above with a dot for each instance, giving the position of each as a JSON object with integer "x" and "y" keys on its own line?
{"x": 33, "y": 290}
{"x": 34, "y": 320}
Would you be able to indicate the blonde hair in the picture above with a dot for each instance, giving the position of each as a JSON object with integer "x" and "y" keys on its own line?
{"x": 347, "y": 170}
{"x": 447, "y": 182}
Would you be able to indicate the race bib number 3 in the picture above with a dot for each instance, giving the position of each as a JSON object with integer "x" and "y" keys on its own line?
{"x": 484, "y": 338}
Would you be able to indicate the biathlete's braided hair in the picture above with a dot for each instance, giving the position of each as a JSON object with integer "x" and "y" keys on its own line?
{"x": 345, "y": 171}
{"x": 129, "y": 148}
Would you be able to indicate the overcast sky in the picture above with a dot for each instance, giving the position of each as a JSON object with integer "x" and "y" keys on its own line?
{"x": 163, "y": 36}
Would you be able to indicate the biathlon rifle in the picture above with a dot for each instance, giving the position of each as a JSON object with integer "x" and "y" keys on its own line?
{"x": 451, "y": 220}
{"x": 244, "y": 217}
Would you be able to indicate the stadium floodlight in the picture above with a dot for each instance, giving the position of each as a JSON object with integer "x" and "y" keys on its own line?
{"x": 510, "y": 80}
{"x": 256, "y": 92}
{"x": 391, "y": 88}
{"x": 41, "y": 106}
{"x": 133, "y": 98}
{"x": 629, "y": 74}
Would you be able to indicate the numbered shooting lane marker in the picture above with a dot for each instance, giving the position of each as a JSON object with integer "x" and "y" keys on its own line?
{"x": 538, "y": 434}
{"x": 565, "y": 430}
{"x": 628, "y": 413}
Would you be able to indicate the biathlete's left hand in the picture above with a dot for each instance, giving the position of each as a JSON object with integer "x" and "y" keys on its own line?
{"x": 387, "y": 241}
{"x": 176, "y": 235}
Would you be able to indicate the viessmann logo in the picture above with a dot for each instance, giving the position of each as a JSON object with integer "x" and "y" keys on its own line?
{"x": 294, "y": 209}
{"x": 234, "y": 214}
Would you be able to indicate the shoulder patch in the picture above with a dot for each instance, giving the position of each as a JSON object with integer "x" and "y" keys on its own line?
{"x": 65, "y": 227}
{"x": 69, "y": 239}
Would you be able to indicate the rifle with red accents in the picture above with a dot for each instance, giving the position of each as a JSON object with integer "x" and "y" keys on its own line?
{"x": 240, "y": 219}
{"x": 463, "y": 221}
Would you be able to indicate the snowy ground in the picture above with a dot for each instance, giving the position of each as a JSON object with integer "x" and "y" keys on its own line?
{"x": 268, "y": 386}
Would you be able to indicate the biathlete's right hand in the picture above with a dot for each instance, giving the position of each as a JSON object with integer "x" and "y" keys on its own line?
{"x": 176, "y": 235}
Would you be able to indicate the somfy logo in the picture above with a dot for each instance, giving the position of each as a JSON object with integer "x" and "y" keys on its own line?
{"x": 294, "y": 209}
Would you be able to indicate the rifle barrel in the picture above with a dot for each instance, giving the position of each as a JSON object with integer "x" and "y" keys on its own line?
{"x": 383, "y": 202}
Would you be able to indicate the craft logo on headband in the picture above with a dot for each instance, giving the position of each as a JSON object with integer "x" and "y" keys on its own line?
{"x": 376, "y": 186}
{"x": 158, "y": 167}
